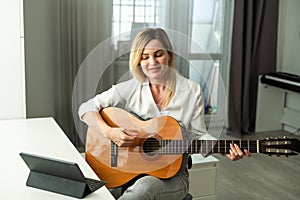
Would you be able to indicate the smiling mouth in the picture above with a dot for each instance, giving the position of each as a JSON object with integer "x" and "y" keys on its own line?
{"x": 154, "y": 68}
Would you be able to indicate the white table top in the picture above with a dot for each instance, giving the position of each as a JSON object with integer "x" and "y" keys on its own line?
{"x": 41, "y": 136}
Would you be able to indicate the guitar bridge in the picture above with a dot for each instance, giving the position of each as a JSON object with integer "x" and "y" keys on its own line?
{"x": 113, "y": 155}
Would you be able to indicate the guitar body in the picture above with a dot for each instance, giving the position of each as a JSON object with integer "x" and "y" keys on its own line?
{"x": 118, "y": 165}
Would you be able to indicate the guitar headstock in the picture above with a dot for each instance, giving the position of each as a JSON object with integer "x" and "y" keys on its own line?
{"x": 280, "y": 146}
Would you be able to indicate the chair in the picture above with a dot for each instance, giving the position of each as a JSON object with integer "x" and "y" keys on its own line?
{"x": 188, "y": 197}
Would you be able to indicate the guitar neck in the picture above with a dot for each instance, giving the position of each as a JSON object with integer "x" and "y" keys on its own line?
{"x": 221, "y": 146}
{"x": 205, "y": 147}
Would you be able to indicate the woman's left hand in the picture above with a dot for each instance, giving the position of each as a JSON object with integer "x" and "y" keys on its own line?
{"x": 235, "y": 153}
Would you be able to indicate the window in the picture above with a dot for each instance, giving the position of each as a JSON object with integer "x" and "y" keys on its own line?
{"x": 207, "y": 31}
{"x": 207, "y": 25}
{"x": 132, "y": 14}
{"x": 205, "y": 22}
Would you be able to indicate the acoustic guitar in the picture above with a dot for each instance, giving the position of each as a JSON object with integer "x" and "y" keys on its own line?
{"x": 159, "y": 148}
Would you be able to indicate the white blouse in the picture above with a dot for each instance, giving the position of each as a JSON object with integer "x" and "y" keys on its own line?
{"x": 186, "y": 106}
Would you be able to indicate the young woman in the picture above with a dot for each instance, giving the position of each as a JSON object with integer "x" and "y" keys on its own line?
{"x": 155, "y": 90}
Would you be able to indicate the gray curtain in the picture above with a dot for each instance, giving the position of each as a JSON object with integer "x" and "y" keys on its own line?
{"x": 253, "y": 53}
{"x": 82, "y": 26}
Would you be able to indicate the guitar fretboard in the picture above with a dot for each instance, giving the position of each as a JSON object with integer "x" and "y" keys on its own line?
{"x": 203, "y": 147}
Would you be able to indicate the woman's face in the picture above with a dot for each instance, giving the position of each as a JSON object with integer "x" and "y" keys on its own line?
{"x": 155, "y": 60}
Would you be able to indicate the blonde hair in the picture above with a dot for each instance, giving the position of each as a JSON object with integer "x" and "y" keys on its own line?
{"x": 137, "y": 48}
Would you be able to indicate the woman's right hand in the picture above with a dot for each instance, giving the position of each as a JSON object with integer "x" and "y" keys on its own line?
{"x": 121, "y": 136}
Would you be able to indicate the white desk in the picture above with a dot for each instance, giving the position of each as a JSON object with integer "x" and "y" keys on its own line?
{"x": 40, "y": 136}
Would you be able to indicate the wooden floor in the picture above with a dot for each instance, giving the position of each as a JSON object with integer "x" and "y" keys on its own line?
{"x": 259, "y": 177}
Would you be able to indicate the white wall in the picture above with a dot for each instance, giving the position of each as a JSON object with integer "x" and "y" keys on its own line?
{"x": 288, "y": 57}
{"x": 289, "y": 37}
{"x": 12, "y": 78}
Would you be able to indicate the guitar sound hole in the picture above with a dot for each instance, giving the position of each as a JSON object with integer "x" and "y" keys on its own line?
{"x": 151, "y": 146}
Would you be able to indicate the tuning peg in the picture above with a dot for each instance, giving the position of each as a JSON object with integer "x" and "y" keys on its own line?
{"x": 284, "y": 137}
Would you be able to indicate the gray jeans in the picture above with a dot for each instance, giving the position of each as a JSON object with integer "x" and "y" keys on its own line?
{"x": 152, "y": 188}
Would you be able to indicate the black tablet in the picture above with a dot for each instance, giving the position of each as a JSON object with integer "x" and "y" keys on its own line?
{"x": 58, "y": 176}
